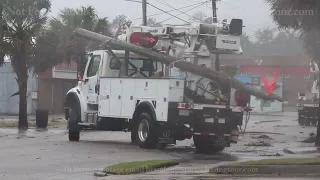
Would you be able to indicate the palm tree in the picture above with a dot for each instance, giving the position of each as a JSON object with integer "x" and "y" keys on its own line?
{"x": 308, "y": 24}
{"x": 302, "y": 16}
{"x": 20, "y": 21}
{"x": 70, "y": 19}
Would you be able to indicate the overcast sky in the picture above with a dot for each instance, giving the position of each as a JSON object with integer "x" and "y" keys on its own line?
{"x": 255, "y": 13}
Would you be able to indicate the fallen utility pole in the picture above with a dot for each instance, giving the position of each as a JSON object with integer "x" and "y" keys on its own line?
{"x": 218, "y": 76}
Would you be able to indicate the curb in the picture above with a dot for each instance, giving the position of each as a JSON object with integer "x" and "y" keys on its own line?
{"x": 267, "y": 169}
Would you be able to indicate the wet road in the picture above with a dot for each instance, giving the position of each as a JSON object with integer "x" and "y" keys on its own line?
{"x": 47, "y": 155}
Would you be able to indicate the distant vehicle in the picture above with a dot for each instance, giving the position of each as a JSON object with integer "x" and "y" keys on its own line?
{"x": 308, "y": 102}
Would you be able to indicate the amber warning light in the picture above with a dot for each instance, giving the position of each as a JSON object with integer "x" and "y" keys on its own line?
{"x": 146, "y": 40}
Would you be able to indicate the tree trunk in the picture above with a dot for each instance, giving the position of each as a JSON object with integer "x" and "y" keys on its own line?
{"x": 220, "y": 77}
{"x": 23, "y": 116}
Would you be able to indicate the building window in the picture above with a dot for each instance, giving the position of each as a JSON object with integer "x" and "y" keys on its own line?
{"x": 307, "y": 76}
{"x": 286, "y": 76}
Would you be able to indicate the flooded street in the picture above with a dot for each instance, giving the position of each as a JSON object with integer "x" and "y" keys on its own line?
{"x": 48, "y": 155}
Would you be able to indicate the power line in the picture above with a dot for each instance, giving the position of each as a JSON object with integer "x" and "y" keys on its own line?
{"x": 182, "y": 13}
{"x": 167, "y": 4}
{"x": 170, "y": 10}
{"x": 167, "y": 13}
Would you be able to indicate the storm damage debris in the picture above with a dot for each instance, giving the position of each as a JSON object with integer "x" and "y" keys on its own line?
{"x": 263, "y": 137}
{"x": 310, "y": 139}
{"x": 259, "y": 143}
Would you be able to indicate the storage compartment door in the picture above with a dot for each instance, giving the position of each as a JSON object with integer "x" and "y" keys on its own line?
{"x": 127, "y": 99}
{"x": 115, "y": 97}
{"x": 104, "y": 97}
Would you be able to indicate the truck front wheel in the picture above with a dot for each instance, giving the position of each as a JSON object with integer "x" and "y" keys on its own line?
{"x": 73, "y": 127}
{"x": 144, "y": 133}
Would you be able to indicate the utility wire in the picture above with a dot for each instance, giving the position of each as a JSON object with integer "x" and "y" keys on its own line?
{"x": 167, "y": 4}
{"x": 185, "y": 11}
{"x": 170, "y": 10}
{"x": 167, "y": 12}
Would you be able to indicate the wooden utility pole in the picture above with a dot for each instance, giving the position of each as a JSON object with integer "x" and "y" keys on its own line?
{"x": 144, "y": 13}
{"x": 214, "y": 10}
{"x": 214, "y": 20}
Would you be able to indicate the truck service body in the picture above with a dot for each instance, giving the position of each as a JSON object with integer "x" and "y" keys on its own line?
{"x": 118, "y": 92}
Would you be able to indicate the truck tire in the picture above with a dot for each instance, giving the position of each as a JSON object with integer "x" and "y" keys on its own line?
{"x": 307, "y": 121}
{"x": 204, "y": 144}
{"x": 314, "y": 122}
{"x": 301, "y": 122}
{"x": 144, "y": 132}
{"x": 73, "y": 127}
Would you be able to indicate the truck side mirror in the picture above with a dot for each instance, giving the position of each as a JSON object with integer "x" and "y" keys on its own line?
{"x": 235, "y": 27}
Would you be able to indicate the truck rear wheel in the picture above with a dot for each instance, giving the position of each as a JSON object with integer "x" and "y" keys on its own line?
{"x": 314, "y": 122}
{"x": 301, "y": 121}
{"x": 73, "y": 127}
{"x": 144, "y": 133}
{"x": 205, "y": 144}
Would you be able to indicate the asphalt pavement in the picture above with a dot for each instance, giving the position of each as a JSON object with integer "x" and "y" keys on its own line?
{"x": 48, "y": 155}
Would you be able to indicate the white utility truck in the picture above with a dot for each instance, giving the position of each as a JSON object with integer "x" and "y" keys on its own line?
{"x": 308, "y": 102}
{"x": 158, "y": 103}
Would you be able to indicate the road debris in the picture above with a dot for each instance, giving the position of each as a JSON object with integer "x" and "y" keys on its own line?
{"x": 258, "y": 143}
{"x": 100, "y": 174}
{"x": 263, "y": 137}
{"x": 310, "y": 139}
{"x": 276, "y": 154}
{"x": 267, "y": 121}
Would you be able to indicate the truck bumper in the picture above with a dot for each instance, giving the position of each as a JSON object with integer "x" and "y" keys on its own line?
{"x": 219, "y": 121}
{"x": 212, "y": 114}
{"x": 308, "y": 112}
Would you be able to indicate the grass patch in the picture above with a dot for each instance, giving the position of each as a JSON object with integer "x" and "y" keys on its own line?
{"x": 282, "y": 161}
{"x": 135, "y": 167}
{"x": 32, "y": 124}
